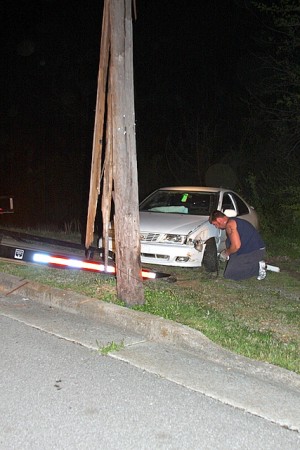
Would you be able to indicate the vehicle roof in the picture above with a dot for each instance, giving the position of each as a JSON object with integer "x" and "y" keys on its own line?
{"x": 192, "y": 188}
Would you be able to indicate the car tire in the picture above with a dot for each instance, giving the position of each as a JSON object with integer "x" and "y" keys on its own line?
{"x": 210, "y": 257}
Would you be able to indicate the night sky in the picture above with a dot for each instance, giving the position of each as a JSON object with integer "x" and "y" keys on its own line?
{"x": 186, "y": 72}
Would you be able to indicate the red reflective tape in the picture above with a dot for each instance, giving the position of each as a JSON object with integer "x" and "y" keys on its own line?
{"x": 85, "y": 265}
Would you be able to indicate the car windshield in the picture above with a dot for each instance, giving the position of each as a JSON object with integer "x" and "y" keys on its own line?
{"x": 181, "y": 202}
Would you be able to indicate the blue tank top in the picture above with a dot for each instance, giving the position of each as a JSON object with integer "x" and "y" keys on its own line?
{"x": 249, "y": 236}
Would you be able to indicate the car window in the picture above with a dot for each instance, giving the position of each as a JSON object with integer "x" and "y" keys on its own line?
{"x": 227, "y": 202}
{"x": 181, "y": 202}
{"x": 242, "y": 208}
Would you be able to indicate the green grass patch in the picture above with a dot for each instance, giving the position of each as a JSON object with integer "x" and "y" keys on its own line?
{"x": 260, "y": 320}
{"x": 110, "y": 347}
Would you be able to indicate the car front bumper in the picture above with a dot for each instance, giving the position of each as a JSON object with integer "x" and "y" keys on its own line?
{"x": 171, "y": 255}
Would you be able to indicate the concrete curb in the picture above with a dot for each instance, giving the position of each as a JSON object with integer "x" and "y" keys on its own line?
{"x": 152, "y": 327}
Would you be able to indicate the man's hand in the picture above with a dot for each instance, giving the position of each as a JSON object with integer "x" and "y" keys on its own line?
{"x": 223, "y": 256}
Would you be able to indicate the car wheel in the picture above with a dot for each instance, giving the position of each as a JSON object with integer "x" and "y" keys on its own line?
{"x": 210, "y": 257}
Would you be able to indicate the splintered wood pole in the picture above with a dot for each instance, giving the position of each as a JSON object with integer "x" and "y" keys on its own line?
{"x": 95, "y": 177}
{"x": 126, "y": 222}
{"x": 115, "y": 92}
{"x": 107, "y": 180}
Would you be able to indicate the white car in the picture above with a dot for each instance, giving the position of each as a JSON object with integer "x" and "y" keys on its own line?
{"x": 175, "y": 230}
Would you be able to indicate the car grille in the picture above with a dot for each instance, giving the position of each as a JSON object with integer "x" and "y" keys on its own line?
{"x": 153, "y": 256}
{"x": 149, "y": 237}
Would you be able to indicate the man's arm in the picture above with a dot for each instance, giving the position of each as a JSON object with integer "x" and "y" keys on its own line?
{"x": 234, "y": 237}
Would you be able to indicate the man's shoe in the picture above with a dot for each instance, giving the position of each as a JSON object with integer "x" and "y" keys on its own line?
{"x": 262, "y": 272}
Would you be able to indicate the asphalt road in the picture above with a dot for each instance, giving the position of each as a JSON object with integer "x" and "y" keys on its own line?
{"x": 58, "y": 392}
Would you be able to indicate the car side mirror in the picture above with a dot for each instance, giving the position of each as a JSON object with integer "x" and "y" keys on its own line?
{"x": 230, "y": 213}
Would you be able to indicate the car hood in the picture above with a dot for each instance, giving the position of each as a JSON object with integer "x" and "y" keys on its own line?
{"x": 169, "y": 223}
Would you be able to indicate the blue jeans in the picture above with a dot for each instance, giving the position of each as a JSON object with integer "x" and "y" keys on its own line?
{"x": 241, "y": 267}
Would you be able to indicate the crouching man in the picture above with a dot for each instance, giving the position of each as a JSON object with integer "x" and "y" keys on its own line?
{"x": 245, "y": 250}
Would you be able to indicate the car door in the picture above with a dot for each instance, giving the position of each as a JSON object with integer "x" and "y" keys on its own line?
{"x": 233, "y": 201}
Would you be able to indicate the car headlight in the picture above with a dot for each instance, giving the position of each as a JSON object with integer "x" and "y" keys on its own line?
{"x": 175, "y": 238}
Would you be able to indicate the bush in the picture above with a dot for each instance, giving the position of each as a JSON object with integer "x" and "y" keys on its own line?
{"x": 278, "y": 207}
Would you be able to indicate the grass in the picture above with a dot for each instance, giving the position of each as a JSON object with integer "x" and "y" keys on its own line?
{"x": 110, "y": 347}
{"x": 256, "y": 319}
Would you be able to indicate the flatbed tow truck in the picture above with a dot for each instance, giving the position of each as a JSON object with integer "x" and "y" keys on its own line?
{"x": 60, "y": 254}
{"x": 54, "y": 252}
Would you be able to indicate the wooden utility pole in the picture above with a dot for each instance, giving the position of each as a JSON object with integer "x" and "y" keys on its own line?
{"x": 120, "y": 167}
{"x": 95, "y": 178}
